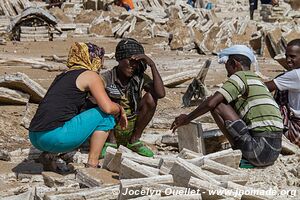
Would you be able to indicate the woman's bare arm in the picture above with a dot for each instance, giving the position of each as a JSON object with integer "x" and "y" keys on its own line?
{"x": 90, "y": 81}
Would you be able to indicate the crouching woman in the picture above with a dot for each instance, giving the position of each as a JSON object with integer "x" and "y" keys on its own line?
{"x": 59, "y": 124}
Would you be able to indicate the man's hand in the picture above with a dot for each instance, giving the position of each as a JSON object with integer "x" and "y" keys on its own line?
{"x": 121, "y": 118}
{"x": 179, "y": 121}
{"x": 143, "y": 57}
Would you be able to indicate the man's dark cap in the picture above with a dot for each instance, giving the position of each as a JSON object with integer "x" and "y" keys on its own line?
{"x": 127, "y": 48}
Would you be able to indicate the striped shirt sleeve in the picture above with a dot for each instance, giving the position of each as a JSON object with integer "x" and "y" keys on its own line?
{"x": 234, "y": 87}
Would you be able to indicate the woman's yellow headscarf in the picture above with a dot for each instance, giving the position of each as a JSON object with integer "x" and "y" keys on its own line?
{"x": 85, "y": 56}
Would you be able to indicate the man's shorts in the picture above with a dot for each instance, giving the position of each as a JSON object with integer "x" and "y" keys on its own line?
{"x": 123, "y": 136}
{"x": 260, "y": 149}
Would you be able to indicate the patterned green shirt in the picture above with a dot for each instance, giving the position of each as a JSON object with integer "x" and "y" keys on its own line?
{"x": 252, "y": 101}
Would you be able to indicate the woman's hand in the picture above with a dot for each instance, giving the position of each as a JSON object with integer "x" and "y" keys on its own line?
{"x": 179, "y": 121}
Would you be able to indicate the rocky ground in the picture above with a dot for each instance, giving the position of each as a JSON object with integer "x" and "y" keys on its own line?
{"x": 20, "y": 175}
{"x": 283, "y": 175}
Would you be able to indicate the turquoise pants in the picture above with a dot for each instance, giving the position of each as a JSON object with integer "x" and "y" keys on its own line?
{"x": 73, "y": 133}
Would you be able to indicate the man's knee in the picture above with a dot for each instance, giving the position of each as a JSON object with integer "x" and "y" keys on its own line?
{"x": 149, "y": 101}
{"x": 220, "y": 109}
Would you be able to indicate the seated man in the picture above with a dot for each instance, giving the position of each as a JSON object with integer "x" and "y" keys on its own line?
{"x": 244, "y": 110}
{"x": 287, "y": 93}
{"x": 124, "y": 85}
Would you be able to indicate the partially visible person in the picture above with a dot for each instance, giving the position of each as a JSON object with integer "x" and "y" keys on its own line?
{"x": 253, "y": 5}
{"x": 127, "y": 4}
{"x": 125, "y": 85}
{"x": 59, "y": 124}
{"x": 244, "y": 110}
{"x": 287, "y": 92}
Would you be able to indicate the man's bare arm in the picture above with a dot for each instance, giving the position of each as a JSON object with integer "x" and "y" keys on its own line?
{"x": 271, "y": 85}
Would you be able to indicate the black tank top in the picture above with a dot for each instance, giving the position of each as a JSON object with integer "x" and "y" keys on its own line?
{"x": 62, "y": 102}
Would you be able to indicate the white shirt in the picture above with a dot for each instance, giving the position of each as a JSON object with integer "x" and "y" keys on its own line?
{"x": 291, "y": 81}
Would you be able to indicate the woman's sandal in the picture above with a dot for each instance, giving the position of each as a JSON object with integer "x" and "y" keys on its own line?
{"x": 48, "y": 160}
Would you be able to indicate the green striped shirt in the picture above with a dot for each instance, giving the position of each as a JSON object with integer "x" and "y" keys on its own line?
{"x": 252, "y": 101}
